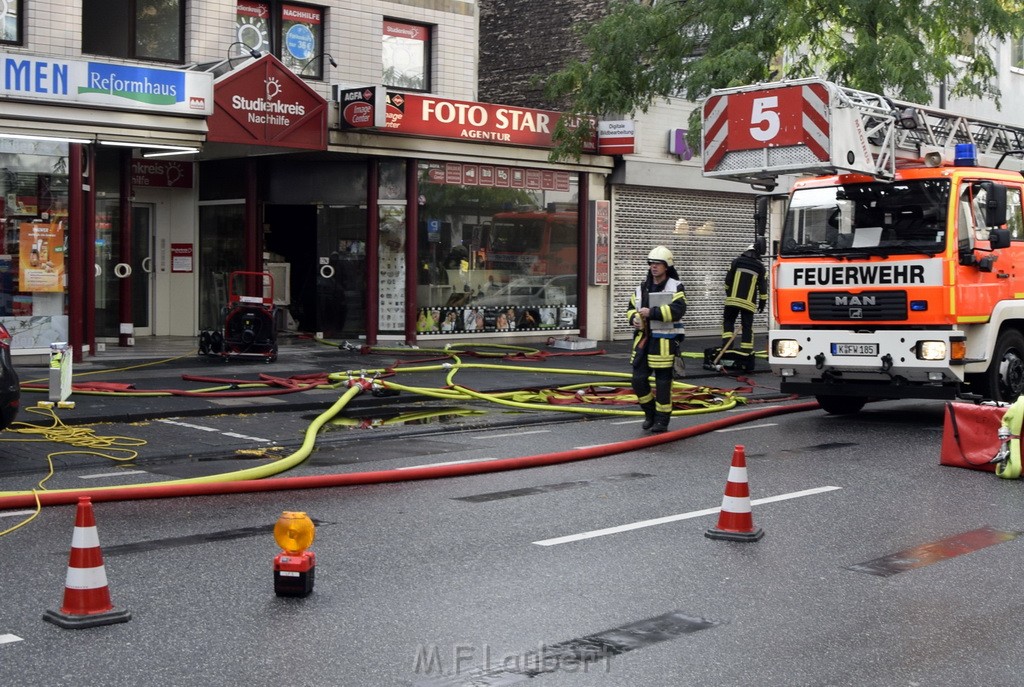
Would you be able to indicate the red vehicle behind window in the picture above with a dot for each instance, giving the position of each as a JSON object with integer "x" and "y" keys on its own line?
{"x": 532, "y": 243}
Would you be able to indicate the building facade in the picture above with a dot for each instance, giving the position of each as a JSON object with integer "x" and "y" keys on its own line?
{"x": 153, "y": 154}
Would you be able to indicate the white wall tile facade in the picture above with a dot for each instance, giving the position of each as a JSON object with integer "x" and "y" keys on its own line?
{"x": 53, "y": 28}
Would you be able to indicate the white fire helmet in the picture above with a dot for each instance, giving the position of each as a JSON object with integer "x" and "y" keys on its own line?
{"x": 660, "y": 253}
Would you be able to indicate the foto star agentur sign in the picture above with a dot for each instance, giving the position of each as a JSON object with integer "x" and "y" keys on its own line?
{"x": 427, "y": 115}
{"x": 264, "y": 103}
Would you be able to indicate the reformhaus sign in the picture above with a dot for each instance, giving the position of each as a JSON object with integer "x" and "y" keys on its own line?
{"x": 125, "y": 87}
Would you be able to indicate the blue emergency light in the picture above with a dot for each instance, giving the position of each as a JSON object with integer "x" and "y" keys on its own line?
{"x": 966, "y": 155}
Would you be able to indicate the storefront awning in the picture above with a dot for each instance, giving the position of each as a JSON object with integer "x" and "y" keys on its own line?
{"x": 94, "y": 125}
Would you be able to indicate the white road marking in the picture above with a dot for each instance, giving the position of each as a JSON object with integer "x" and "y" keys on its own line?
{"x": 745, "y": 427}
{"x": 632, "y": 421}
{"x": 513, "y": 434}
{"x": 675, "y": 518}
{"x": 7, "y": 639}
{"x": 13, "y": 513}
{"x": 201, "y": 428}
{"x": 103, "y": 475}
{"x": 236, "y": 435}
{"x": 205, "y": 428}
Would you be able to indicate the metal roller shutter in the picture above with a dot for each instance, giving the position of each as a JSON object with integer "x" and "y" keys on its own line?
{"x": 719, "y": 226}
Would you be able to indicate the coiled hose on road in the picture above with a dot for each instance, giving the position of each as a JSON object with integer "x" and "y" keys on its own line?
{"x": 259, "y": 478}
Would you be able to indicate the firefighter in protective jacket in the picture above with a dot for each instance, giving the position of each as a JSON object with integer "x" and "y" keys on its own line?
{"x": 746, "y": 290}
{"x": 655, "y": 312}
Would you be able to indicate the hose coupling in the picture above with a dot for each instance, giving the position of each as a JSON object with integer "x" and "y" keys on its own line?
{"x": 1003, "y": 454}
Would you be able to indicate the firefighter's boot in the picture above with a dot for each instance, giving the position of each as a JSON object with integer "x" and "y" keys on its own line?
{"x": 648, "y": 409}
{"x": 660, "y": 422}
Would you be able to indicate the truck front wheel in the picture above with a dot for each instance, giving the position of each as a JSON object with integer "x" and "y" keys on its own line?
{"x": 1004, "y": 379}
{"x": 841, "y": 405}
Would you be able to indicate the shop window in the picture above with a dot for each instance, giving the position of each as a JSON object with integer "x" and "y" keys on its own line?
{"x": 405, "y": 55}
{"x": 292, "y": 32}
{"x": 10, "y": 22}
{"x": 140, "y": 29}
{"x": 34, "y": 212}
{"x": 497, "y": 249}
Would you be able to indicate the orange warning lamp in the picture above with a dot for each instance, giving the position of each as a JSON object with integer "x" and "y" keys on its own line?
{"x": 294, "y": 532}
{"x": 294, "y": 567}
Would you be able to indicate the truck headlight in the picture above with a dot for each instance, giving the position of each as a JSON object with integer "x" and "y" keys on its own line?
{"x": 785, "y": 348}
{"x": 931, "y": 350}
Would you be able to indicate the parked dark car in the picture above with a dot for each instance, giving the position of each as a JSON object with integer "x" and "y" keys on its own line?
{"x": 10, "y": 389}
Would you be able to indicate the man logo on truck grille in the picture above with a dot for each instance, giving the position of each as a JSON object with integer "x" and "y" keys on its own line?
{"x": 856, "y": 313}
{"x": 856, "y": 300}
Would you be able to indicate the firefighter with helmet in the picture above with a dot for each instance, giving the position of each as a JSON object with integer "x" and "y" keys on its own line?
{"x": 746, "y": 290}
{"x": 655, "y": 312}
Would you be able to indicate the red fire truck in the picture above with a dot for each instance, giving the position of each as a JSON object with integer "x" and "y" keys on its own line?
{"x": 898, "y": 270}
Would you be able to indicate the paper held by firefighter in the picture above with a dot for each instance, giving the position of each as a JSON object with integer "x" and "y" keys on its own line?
{"x": 659, "y": 328}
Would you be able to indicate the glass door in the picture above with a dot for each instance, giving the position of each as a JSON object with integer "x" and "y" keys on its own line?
{"x": 341, "y": 276}
{"x": 111, "y": 271}
{"x": 142, "y": 268}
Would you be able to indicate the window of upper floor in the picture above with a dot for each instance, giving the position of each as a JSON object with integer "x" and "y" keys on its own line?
{"x": 292, "y": 32}
{"x": 1017, "y": 52}
{"x": 405, "y": 52}
{"x": 136, "y": 29}
{"x": 10, "y": 22}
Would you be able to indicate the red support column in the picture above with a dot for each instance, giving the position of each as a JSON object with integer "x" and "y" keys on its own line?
{"x": 74, "y": 261}
{"x": 253, "y": 230}
{"x": 583, "y": 252}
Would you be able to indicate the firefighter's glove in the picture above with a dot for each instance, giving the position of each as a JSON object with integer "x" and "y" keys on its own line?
{"x": 760, "y": 305}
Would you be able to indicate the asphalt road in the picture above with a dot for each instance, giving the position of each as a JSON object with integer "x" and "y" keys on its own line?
{"x": 877, "y": 566}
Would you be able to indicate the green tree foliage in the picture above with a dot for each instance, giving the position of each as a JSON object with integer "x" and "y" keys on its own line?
{"x": 644, "y": 52}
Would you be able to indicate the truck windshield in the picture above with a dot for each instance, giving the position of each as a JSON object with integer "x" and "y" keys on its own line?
{"x": 875, "y": 218}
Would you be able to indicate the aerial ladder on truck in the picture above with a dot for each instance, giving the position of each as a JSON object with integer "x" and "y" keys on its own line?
{"x": 899, "y": 269}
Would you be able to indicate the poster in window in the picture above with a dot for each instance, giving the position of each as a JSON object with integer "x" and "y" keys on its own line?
{"x": 301, "y": 39}
{"x": 600, "y": 242}
{"x": 9, "y": 20}
{"x": 41, "y": 257}
{"x": 391, "y": 268}
{"x": 404, "y": 55}
{"x": 252, "y": 27}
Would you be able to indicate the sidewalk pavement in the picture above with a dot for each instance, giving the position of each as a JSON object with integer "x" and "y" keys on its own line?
{"x": 163, "y": 376}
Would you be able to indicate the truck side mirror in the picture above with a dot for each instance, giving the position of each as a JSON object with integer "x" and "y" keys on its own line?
{"x": 995, "y": 204}
{"x": 999, "y": 238}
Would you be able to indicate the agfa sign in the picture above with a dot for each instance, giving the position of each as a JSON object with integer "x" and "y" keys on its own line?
{"x": 264, "y": 103}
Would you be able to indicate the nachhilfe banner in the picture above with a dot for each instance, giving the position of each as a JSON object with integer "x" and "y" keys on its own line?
{"x": 130, "y": 87}
{"x": 425, "y": 115}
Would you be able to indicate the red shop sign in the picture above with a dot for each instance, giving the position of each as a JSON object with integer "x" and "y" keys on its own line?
{"x": 425, "y": 115}
{"x": 264, "y": 103}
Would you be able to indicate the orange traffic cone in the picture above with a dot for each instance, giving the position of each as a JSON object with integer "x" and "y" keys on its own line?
{"x": 735, "y": 521}
{"x": 86, "y": 596}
